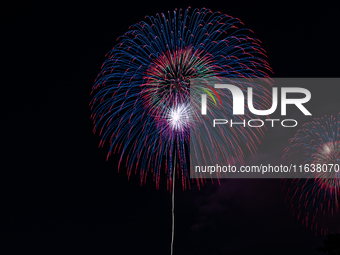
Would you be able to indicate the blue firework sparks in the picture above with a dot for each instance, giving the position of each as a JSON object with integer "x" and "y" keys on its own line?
{"x": 141, "y": 96}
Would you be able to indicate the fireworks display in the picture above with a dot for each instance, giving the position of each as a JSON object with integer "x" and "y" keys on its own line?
{"x": 316, "y": 199}
{"x": 141, "y": 99}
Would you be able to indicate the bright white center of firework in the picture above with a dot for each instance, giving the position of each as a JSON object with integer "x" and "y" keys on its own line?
{"x": 326, "y": 149}
{"x": 178, "y": 117}
{"x": 175, "y": 118}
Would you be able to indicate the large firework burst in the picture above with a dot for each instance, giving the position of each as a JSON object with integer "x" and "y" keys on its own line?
{"x": 141, "y": 99}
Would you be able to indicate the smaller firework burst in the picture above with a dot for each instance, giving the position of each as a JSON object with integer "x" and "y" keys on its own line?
{"x": 315, "y": 200}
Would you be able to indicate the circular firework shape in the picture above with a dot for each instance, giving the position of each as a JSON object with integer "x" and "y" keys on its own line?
{"x": 315, "y": 200}
{"x": 141, "y": 97}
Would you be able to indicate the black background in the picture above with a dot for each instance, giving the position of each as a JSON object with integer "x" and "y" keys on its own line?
{"x": 60, "y": 195}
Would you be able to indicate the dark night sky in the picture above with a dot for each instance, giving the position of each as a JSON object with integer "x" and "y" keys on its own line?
{"x": 59, "y": 194}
